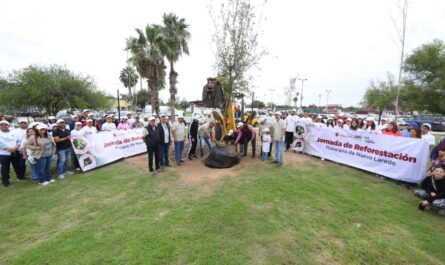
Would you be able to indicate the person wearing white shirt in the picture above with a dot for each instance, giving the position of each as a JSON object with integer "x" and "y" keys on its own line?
{"x": 271, "y": 117}
{"x": 179, "y": 135}
{"x": 109, "y": 125}
{"x": 347, "y": 126}
{"x": 130, "y": 119}
{"x": 291, "y": 124}
{"x": 20, "y": 132}
{"x": 426, "y": 135}
{"x": 318, "y": 122}
{"x": 9, "y": 146}
{"x": 89, "y": 129}
{"x": 306, "y": 118}
{"x": 145, "y": 121}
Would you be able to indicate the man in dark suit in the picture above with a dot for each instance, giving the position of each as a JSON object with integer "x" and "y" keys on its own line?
{"x": 165, "y": 140}
{"x": 152, "y": 138}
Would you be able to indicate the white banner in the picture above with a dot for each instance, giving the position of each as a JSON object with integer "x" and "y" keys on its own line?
{"x": 99, "y": 149}
{"x": 399, "y": 158}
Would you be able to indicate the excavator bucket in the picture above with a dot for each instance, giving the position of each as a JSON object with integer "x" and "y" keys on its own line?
{"x": 213, "y": 94}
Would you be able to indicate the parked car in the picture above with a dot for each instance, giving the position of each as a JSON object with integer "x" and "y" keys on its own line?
{"x": 437, "y": 123}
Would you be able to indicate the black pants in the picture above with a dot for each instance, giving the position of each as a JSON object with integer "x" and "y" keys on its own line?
{"x": 246, "y": 144}
{"x": 289, "y": 139}
{"x": 153, "y": 150}
{"x": 22, "y": 166}
{"x": 193, "y": 144}
{"x": 6, "y": 162}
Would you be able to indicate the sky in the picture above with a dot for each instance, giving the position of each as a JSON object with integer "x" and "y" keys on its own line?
{"x": 338, "y": 46}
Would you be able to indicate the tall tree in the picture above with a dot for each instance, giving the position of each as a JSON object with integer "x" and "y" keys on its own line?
{"x": 381, "y": 94}
{"x": 51, "y": 89}
{"x": 236, "y": 35}
{"x": 425, "y": 87}
{"x": 177, "y": 35}
{"x": 129, "y": 78}
{"x": 148, "y": 57}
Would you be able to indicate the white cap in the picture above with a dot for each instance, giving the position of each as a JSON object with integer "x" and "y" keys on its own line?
{"x": 60, "y": 120}
{"x": 330, "y": 118}
{"x": 266, "y": 130}
{"x": 230, "y": 132}
{"x": 89, "y": 120}
{"x": 51, "y": 118}
{"x": 75, "y": 115}
{"x": 319, "y": 117}
{"x": 385, "y": 126}
{"x": 41, "y": 126}
{"x": 4, "y": 122}
{"x": 164, "y": 115}
{"x": 239, "y": 124}
{"x": 85, "y": 110}
{"x": 145, "y": 116}
{"x": 154, "y": 114}
{"x": 180, "y": 117}
{"x": 78, "y": 123}
{"x": 152, "y": 118}
{"x": 340, "y": 120}
{"x": 370, "y": 119}
{"x": 277, "y": 113}
{"x": 90, "y": 114}
{"x": 270, "y": 112}
{"x": 294, "y": 110}
{"x": 32, "y": 124}
{"x": 22, "y": 120}
{"x": 349, "y": 119}
{"x": 427, "y": 125}
{"x": 384, "y": 119}
{"x": 262, "y": 119}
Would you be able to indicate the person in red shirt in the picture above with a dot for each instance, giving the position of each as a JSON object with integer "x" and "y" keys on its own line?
{"x": 392, "y": 129}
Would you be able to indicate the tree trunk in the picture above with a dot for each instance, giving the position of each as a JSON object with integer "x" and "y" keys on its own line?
{"x": 173, "y": 91}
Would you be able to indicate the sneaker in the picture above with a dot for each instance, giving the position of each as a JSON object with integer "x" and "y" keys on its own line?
{"x": 190, "y": 158}
{"x": 52, "y": 181}
{"x": 78, "y": 169}
{"x": 159, "y": 170}
{"x": 44, "y": 183}
{"x": 152, "y": 173}
{"x": 178, "y": 163}
{"x": 69, "y": 173}
{"x": 182, "y": 161}
{"x": 61, "y": 176}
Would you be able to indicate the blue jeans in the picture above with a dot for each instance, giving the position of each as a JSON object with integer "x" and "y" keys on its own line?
{"x": 62, "y": 160}
{"x": 44, "y": 168}
{"x": 163, "y": 155}
{"x": 278, "y": 151}
{"x": 204, "y": 140}
{"x": 264, "y": 156}
{"x": 34, "y": 171}
{"x": 179, "y": 149}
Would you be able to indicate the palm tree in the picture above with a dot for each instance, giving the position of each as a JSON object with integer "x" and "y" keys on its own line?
{"x": 146, "y": 54}
{"x": 129, "y": 78}
{"x": 177, "y": 36}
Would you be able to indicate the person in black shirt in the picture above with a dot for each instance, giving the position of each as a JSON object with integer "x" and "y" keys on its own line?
{"x": 63, "y": 143}
{"x": 193, "y": 138}
{"x": 433, "y": 190}
{"x": 152, "y": 138}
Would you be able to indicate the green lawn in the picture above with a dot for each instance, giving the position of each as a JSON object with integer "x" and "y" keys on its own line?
{"x": 310, "y": 212}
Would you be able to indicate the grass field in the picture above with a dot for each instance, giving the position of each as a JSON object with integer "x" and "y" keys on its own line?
{"x": 306, "y": 212}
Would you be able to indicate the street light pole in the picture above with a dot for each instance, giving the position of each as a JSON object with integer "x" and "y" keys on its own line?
{"x": 301, "y": 94}
{"x": 118, "y": 106}
{"x": 271, "y": 98}
{"x": 327, "y": 100}
{"x": 319, "y": 102}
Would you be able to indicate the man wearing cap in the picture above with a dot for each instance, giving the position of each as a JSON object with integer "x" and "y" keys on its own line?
{"x": 291, "y": 125}
{"x": 137, "y": 123}
{"x": 426, "y": 135}
{"x": 152, "y": 139}
{"x": 145, "y": 121}
{"x": 89, "y": 129}
{"x": 20, "y": 132}
{"x": 279, "y": 128}
{"x": 84, "y": 117}
{"x": 264, "y": 123}
{"x": 209, "y": 118}
{"x": 52, "y": 123}
{"x": 306, "y": 118}
{"x": 206, "y": 136}
{"x": 74, "y": 119}
{"x": 411, "y": 126}
{"x": 37, "y": 117}
{"x": 165, "y": 141}
{"x": 271, "y": 117}
{"x": 130, "y": 119}
{"x": 63, "y": 148}
{"x": 246, "y": 134}
{"x": 9, "y": 149}
{"x": 179, "y": 135}
{"x": 347, "y": 126}
{"x": 193, "y": 138}
{"x": 109, "y": 125}
{"x": 319, "y": 122}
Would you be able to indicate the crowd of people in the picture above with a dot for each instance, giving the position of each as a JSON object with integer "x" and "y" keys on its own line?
{"x": 38, "y": 142}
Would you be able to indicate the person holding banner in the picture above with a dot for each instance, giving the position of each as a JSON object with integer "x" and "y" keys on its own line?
{"x": 109, "y": 124}
{"x": 279, "y": 128}
{"x": 433, "y": 191}
{"x": 426, "y": 135}
{"x": 151, "y": 136}
{"x": 392, "y": 129}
